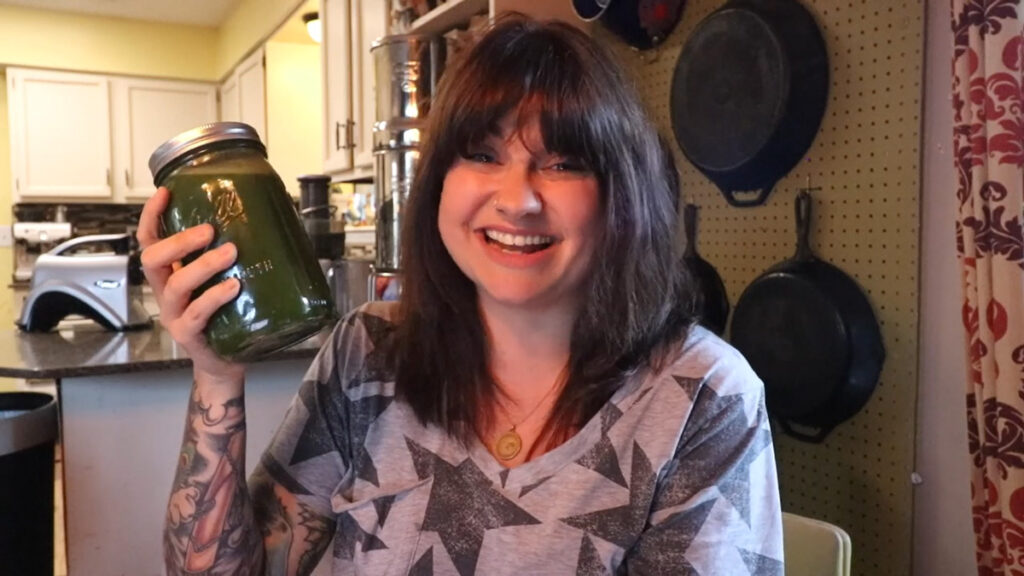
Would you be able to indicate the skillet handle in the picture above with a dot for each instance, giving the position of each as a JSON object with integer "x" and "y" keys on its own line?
{"x": 690, "y": 229}
{"x": 762, "y": 195}
{"x": 802, "y": 207}
{"x": 815, "y": 438}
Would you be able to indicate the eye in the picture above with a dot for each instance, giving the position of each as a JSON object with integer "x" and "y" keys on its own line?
{"x": 479, "y": 156}
{"x": 568, "y": 165}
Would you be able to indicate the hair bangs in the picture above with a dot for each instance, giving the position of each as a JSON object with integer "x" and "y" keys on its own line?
{"x": 485, "y": 95}
{"x": 535, "y": 78}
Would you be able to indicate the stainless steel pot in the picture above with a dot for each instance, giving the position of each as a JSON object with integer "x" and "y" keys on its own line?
{"x": 350, "y": 281}
{"x": 407, "y": 68}
{"x": 395, "y": 169}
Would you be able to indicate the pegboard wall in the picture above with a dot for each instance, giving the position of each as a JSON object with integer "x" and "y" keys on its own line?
{"x": 865, "y": 221}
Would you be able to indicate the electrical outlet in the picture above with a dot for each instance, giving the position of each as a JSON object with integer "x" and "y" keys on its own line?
{"x": 5, "y": 237}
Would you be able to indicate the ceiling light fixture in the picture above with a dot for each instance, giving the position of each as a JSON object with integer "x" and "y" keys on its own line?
{"x": 312, "y": 21}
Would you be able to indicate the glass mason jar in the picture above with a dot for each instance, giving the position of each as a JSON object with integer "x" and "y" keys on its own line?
{"x": 218, "y": 174}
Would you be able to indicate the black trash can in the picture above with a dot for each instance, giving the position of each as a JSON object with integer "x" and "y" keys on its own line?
{"x": 28, "y": 431}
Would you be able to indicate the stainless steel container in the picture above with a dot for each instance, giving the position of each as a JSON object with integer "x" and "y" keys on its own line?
{"x": 395, "y": 169}
{"x": 350, "y": 279}
{"x": 407, "y": 69}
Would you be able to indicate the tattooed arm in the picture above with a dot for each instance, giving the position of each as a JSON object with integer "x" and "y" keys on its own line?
{"x": 215, "y": 524}
{"x": 211, "y": 526}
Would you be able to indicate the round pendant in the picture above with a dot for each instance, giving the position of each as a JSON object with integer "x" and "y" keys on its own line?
{"x": 508, "y": 445}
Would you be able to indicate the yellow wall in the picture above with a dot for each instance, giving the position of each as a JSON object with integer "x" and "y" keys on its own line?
{"x": 49, "y": 39}
{"x": 5, "y": 158}
{"x": 6, "y": 254}
{"x": 249, "y": 25}
{"x": 294, "y": 110}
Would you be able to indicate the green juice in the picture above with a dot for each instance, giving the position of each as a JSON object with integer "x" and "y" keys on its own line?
{"x": 284, "y": 297}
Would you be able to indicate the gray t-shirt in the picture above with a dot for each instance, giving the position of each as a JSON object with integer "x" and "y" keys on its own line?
{"x": 674, "y": 475}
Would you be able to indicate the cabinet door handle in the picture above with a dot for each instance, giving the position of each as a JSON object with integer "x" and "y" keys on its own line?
{"x": 337, "y": 135}
{"x": 350, "y": 137}
{"x": 109, "y": 182}
{"x": 127, "y": 179}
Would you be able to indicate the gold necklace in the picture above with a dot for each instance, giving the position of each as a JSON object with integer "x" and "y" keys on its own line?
{"x": 510, "y": 443}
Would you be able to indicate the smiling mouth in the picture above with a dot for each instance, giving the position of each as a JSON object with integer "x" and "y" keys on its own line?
{"x": 518, "y": 243}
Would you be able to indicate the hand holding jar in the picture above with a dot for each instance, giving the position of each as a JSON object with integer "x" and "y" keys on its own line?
{"x": 173, "y": 286}
{"x": 258, "y": 287}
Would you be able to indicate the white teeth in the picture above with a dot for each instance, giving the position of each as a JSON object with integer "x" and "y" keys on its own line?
{"x": 517, "y": 239}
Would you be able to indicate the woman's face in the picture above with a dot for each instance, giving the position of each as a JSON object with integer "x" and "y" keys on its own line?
{"x": 521, "y": 222}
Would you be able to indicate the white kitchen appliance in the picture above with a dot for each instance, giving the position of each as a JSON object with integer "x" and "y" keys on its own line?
{"x": 32, "y": 239}
{"x": 74, "y": 278}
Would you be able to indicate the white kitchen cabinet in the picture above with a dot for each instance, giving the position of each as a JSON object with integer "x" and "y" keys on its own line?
{"x": 336, "y": 50}
{"x": 88, "y": 138}
{"x": 369, "y": 24}
{"x": 60, "y": 135}
{"x": 243, "y": 94}
{"x": 148, "y": 112}
{"x": 229, "y": 105}
{"x": 350, "y": 28}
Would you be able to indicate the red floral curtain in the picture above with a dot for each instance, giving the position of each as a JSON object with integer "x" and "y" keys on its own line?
{"x": 988, "y": 141}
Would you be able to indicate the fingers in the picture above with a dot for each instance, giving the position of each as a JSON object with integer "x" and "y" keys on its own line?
{"x": 179, "y": 285}
{"x": 173, "y": 285}
{"x": 195, "y": 317}
{"x": 174, "y": 248}
{"x": 158, "y": 258}
{"x": 149, "y": 221}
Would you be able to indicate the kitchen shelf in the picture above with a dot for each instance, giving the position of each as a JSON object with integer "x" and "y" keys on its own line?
{"x": 447, "y": 16}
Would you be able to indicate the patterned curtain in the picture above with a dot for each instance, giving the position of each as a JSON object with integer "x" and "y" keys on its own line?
{"x": 988, "y": 141}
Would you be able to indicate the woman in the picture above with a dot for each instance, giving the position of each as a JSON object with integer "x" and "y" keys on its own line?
{"x": 538, "y": 403}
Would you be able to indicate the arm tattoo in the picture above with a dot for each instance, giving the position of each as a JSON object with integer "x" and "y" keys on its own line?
{"x": 209, "y": 528}
{"x": 319, "y": 531}
{"x": 283, "y": 528}
{"x": 213, "y": 417}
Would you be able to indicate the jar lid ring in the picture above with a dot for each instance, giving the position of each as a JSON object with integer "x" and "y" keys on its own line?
{"x": 196, "y": 138}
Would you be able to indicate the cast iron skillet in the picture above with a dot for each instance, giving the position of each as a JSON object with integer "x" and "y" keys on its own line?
{"x": 748, "y": 94}
{"x": 714, "y": 308}
{"x": 809, "y": 332}
{"x": 642, "y": 24}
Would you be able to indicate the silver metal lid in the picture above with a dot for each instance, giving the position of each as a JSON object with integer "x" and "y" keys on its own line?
{"x": 201, "y": 136}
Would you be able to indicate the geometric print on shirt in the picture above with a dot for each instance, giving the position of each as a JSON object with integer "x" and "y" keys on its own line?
{"x": 674, "y": 475}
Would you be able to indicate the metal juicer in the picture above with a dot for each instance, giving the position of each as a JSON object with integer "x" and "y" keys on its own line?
{"x": 76, "y": 278}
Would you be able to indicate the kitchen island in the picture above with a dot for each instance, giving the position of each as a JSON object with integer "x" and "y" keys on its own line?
{"x": 122, "y": 399}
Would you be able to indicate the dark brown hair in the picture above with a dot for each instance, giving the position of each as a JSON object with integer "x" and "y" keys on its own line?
{"x": 637, "y": 299}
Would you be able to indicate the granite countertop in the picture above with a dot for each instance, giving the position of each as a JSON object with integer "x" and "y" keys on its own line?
{"x": 86, "y": 349}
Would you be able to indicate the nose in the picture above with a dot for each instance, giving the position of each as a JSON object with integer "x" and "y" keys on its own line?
{"x": 516, "y": 196}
